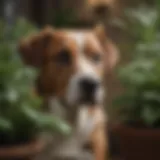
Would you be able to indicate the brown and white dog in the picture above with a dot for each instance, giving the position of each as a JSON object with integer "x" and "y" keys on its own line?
{"x": 72, "y": 66}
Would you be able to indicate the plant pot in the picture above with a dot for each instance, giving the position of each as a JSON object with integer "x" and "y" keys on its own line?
{"x": 22, "y": 152}
{"x": 137, "y": 143}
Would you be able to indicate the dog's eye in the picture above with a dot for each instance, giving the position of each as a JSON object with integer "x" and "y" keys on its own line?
{"x": 63, "y": 57}
{"x": 96, "y": 58}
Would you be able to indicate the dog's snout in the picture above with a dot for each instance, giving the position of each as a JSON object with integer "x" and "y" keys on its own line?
{"x": 89, "y": 88}
{"x": 88, "y": 85}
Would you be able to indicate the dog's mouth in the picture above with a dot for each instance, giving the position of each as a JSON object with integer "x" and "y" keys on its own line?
{"x": 83, "y": 100}
{"x": 94, "y": 98}
{"x": 88, "y": 99}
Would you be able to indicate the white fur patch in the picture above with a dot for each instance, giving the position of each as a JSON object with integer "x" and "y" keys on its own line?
{"x": 86, "y": 122}
{"x": 79, "y": 39}
{"x": 85, "y": 69}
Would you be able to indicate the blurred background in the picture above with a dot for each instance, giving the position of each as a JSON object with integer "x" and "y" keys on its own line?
{"x": 133, "y": 25}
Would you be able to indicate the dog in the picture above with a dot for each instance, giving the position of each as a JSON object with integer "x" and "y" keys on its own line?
{"x": 72, "y": 66}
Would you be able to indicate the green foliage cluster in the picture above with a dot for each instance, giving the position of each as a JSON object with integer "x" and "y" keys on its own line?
{"x": 140, "y": 104}
{"x": 21, "y": 116}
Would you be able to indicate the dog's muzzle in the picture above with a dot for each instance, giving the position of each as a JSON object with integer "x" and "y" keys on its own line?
{"x": 88, "y": 88}
{"x": 84, "y": 89}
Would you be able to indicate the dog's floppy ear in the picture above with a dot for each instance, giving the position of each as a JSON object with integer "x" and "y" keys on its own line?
{"x": 111, "y": 52}
{"x": 33, "y": 49}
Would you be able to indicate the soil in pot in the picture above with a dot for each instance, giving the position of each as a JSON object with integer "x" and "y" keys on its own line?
{"x": 138, "y": 143}
{"x": 25, "y": 151}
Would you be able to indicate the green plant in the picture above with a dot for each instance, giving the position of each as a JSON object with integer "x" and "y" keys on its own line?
{"x": 21, "y": 118}
{"x": 60, "y": 19}
{"x": 140, "y": 104}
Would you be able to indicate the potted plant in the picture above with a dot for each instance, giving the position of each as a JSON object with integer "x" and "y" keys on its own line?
{"x": 138, "y": 108}
{"x": 21, "y": 117}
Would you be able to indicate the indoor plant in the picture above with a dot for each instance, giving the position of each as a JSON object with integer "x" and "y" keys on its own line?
{"x": 21, "y": 118}
{"x": 138, "y": 108}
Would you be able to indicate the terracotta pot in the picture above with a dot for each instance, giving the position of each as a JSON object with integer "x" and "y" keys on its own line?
{"x": 22, "y": 152}
{"x": 137, "y": 143}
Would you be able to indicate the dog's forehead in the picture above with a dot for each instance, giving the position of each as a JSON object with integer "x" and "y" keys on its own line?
{"x": 82, "y": 39}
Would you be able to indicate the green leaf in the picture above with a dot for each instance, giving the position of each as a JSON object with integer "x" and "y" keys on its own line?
{"x": 54, "y": 124}
{"x": 47, "y": 122}
{"x": 150, "y": 115}
{"x": 5, "y": 124}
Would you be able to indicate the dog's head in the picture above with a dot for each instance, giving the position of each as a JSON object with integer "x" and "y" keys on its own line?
{"x": 71, "y": 63}
{"x": 101, "y": 7}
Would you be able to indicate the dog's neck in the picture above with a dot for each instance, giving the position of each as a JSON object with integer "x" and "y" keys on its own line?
{"x": 81, "y": 118}
{"x": 61, "y": 109}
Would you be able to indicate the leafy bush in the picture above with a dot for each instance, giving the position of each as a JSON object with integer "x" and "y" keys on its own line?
{"x": 140, "y": 104}
{"x": 21, "y": 118}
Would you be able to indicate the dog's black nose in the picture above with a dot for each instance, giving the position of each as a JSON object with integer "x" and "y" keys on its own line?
{"x": 88, "y": 87}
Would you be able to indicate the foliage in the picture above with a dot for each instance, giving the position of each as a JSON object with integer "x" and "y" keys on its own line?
{"x": 21, "y": 118}
{"x": 140, "y": 103}
{"x": 60, "y": 19}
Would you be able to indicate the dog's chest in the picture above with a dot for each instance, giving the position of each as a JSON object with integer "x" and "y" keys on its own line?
{"x": 81, "y": 120}
{"x": 83, "y": 124}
